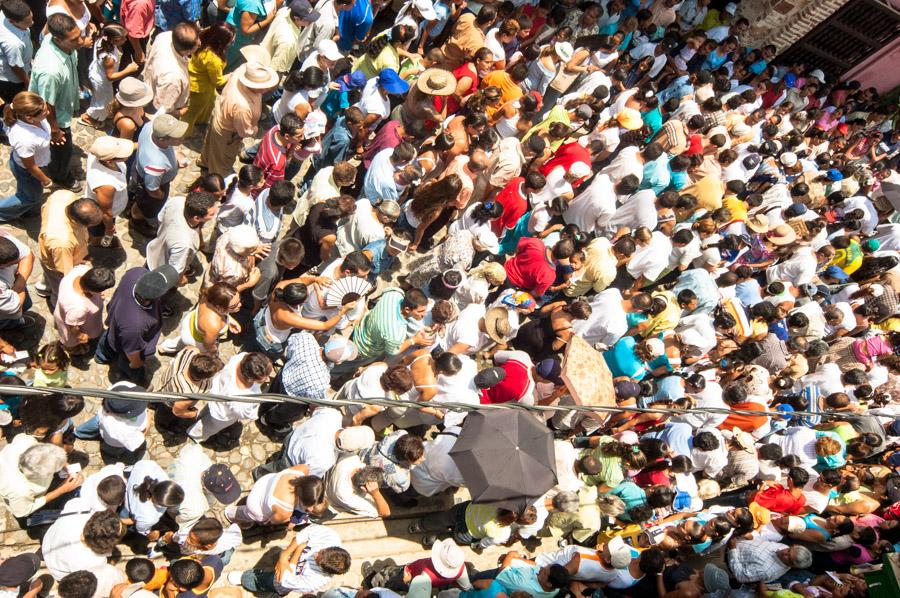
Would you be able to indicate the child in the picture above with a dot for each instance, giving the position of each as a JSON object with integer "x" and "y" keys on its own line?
{"x": 238, "y": 202}
{"x": 51, "y": 366}
{"x": 205, "y": 537}
{"x": 266, "y": 213}
{"x": 141, "y": 570}
{"x": 29, "y": 140}
{"x": 102, "y": 73}
{"x": 565, "y": 272}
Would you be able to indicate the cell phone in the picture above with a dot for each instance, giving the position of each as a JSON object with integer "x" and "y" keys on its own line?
{"x": 73, "y": 468}
{"x": 834, "y": 578}
{"x": 17, "y": 356}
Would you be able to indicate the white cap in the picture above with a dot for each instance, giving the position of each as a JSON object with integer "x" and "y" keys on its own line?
{"x": 818, "y": 74}
{"x": 619, "y": 553}
{"x": 789, "y": 159}
{"x": 426, "y": 9}
{"x": 731, "y": 8}
{"x": 328, "y": 49}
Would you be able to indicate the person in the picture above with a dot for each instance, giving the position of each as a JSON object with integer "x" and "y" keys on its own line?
{"x": 54, "y": 78}
{"x": 137, "y": 16}
{"x": 129, "y": 119}
{"x": 104, "y": 71}
{"x": 242, "y": 375}
{"x": 276, "y": 150}
{"x": 155, "y": 167}
{"x": 178, "y": 238}
{"x": 354, "y": 488}
{"x": 107, "y": 184}
{"x": 383, "y": 330}
{"x": 249, "y": 18}
{"x": 210, "y": 320}
{"x": 149, "y": 494}
{"x": 16, "y": 265}
{"x": 28, "y": 469}
{"x": 25, "y": 117}
{"x": 753, "y": 561}
{"x": 83, "y": 542}
{"x": 276, "y": 497}
{"x": 206, "y": 70}
{"x": 78, "y": 314}
{"x": 63, "y": 238}
{"x": 134, "y": 320}
{"x": 16, "y": 50}
{"x": 282, "y": 38}
{"x": 236, "y": 114}
{"x": 166, "y": 68}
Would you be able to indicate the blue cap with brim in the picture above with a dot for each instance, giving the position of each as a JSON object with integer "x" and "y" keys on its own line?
{"x": 390, "y": 81}
{"x": 836, "y": 273}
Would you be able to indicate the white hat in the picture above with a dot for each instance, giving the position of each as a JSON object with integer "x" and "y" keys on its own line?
{"x": 243, "y": 238}
{"x": 564, "y": 50}
{"x": 731, "y": 8}
{"x": 314, "y": 124}
{"x": 256, "y": 53}
{"x": 258, "y": 76}
{"x": 447, "y": 558}
{"x": 425, "y": 8}
{"x": 355, "y": 438}
{"x": 619, "y": 553}
{"x": 789, "y": 159}
{"x": 488, "y": 240}
{"x": 656, "y": 347}
{"x": 579, "y": 170}
{"x": 818, "y": 74}
{"x": 329, "y": 50}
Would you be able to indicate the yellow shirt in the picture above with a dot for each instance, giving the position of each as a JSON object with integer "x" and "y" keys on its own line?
{"x": 62, "y": 244}
{"x": 388, "y": 58}
{"x": 735, "y": 207}
{"x": 708, "y": 191}
{"x": 205, "y": 70}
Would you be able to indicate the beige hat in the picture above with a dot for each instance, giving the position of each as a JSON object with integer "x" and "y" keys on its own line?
{"x": 758, "y": 223}
{"x": 619, "y": 553}
{"x": 166, "y": 125}
{"x": 496, "y": 324}
{"x": 629, "y": 118}
{"x": 436, "y": 82}
{"x": 256, "y": 53}
{"x": 355, "y": 438}
{"x": 329, "y": 50}
{"x": 781, "y": 235}
{"x": 258, "y": 76}
{"x": 655, "y": 347}
{"x": 447, "y": 558}
{"x": 243, "y": 239}
{"x": 111, "y": 148}
{"x": 133, "y": 93}
{"x": 389, "y": 208}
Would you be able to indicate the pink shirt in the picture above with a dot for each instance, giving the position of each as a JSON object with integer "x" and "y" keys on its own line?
{"x": 137, "y": 17}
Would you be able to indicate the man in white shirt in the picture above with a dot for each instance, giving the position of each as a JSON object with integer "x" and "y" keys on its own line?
{"x": 607, "y": 322}
{"x": 242, "y": 375}
{"x": 16, "y": 263}
{"x": 438, "y": 472}
{"x": 178, "y": 237}
{"x": 649, "y": 261}
{"x": 709, "y": 453}
{"x": 593, "y": 207}
{"x": 800, "y": 268}
{"x": 83, "y": 541}
{"x": 636, "y": 211}
{"x": 204, "y": 483}
{"x": 353, "y": 488}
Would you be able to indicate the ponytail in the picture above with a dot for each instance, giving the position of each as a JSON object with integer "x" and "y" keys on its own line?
{"x": 145, "y": 489}
{"x": 24, "y": 104}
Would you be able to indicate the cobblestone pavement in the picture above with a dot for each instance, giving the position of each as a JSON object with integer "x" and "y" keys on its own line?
{"x": 367, "y": 540}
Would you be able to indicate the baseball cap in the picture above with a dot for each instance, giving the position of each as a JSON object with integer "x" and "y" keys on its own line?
{"x": 795, "y": 209}
{"x": 789, "y": 159}
{"x": 834, "y": 175}
{"x": 426, "y": 9}
{"x": 166, "y": 125}
{"x": 490, "y": 377}
{"x": 339, "y": 349}
{"x": 156, "y": 283}
{"x": 627, "y": 389}
{"x": 111, "y": 148}
{"x": 302, "y": 9}
{"x": 126, "y": 408}
{"x": 18, "y": 569}
{"x": 584, "y": 111}
{"x": 391, "y": 82}
{"x": 355, "y": 438}
{"x": 329, "y": 50}
{"x": 221, "y": 483}
{"x": 836, "y": 273}
{"x": 619, "y": 553}
{"x": 550, "y": 369}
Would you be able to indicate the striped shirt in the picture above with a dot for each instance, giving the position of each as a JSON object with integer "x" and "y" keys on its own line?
{"x": 271, "y": 157}
{"x": 383, "y": 329}
{"x": 176, "y": 378}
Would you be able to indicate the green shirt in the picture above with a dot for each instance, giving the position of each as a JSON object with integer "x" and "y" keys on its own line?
{"x": 54, "y": 77}
{"x": 610, "y": 467}
{"x": 383, "y": 329}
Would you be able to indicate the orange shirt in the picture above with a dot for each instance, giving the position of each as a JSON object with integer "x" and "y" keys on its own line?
{"x": 747, "y": 423}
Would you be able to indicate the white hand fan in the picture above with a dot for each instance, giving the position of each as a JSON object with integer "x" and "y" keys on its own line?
{"x": 344, "y": 290}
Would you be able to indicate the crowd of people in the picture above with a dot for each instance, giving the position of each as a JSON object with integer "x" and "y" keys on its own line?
{"x": 427, "y": 201}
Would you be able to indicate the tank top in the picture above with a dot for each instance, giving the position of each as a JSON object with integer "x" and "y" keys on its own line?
{"x": 82, "y": 22}
{"x": 506, "y": 126}
{"x": 276, "y": 334}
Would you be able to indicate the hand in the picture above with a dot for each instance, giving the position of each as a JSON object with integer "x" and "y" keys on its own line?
{"x": 233, "y": 326}
{"x": 153, "y": 536}
{"x": 46, "y": 183}
{"x": 412, "y": 247}
{"x": 73, "y": 482}
{"x": 371, "y": 488}
{"x": 423, "y": 338}
{"x": 132, "y": 68}
{"x": 264, "y": 249}
{"x": 36, "y": 586}
{"x": 322, "y": 281}
{"x": 57, "y": 137}
{"x": 388, "y": 231}
{"x": 348, "y": 307}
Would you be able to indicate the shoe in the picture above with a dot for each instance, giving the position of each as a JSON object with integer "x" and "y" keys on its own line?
{"x": 26, "y": 321}
{"x": 326, "y": 516}
{"x": 429, "y": 540}
{"x": 41, "y": 289}
{"x": 234, "y": 577}
{"x": 154, "y": 551}
{"x": 70, "y": 185}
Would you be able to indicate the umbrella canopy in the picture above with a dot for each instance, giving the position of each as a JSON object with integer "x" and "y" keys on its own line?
{"x": 506, "y": 458}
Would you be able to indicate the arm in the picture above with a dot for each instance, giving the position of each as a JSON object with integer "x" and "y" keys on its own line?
{"x": 36, "y": 171}
{"x": 287, "y": 560}
{"x": 109, "y": 66}
{"x": 185, "y": 409}
{"x": 384, "y": 509}
{"x": 105, "y": 195}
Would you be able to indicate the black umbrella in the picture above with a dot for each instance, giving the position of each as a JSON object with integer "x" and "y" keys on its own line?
{"x": 506, "y": 458}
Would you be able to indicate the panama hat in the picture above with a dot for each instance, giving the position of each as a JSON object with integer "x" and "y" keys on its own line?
{"x": 258, "y": 76}
{"x": 133, "y": 93}
{"x": 436, "y": 82}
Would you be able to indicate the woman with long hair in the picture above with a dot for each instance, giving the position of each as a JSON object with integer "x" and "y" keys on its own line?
{"x": 430, "y": 208}
{"x": 149, "y": 493}
{"x": 206, "y": 70}
{"x": 208, "y": 322}
{"x": 384, "y": 51}
{"x": 468, "y": 76}
{"x": 29, "y": 140}
{"x": 275, "y": 496}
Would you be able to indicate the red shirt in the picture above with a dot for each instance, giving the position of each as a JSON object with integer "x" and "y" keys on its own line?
{"x": 512, "y": 388}
{"x": 453, "y": 106}
{"x": 514, "y": 203}
{"x": 530, "y": 269}
{"x": 566, "y": 156}
{"x": 695, "y": 144}
{"x": 271, "y": 158}
{"x": 779, "y": 499}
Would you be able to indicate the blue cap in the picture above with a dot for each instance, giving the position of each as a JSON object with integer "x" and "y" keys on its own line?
{"x": 836, "y": 273}
{"x": 785, "y": 410}
{"x": 354, "y": 80}
{"x": 391, "y": 82}
{"x": 790, "y": 79}
{"x": 835, "y": 175}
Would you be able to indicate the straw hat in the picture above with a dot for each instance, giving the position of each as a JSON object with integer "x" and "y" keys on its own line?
{"x": 782, "y": 235}
{"x": 436, "y": 82}
{"x": 630, "y": 119}
{"x": 447, "y": 558}
{"x": 564, "y": 50}
{"x": 256, "y": 53}
{"x": 133, "y": 93}
{"x": 496, "y": 324}
{"x": 758, "y": 223}
{"x": 111, "y": 148}
{"x": 259, "y": 76}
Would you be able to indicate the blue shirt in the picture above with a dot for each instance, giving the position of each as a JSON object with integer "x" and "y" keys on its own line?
{"x": 354, "y": 24}
{"x": 656, "y": 174}
{"x": 171, "y": 12}
{"x": 382, "y": 261}
{"x": 622, "y": 360}
{"x": 701, "y": 282}
{"x": 379, "y": 181}
{"x": 335, "y": 146}
{"x": 677, "y": 435}
{"x": 747, "y": 292}
{"x": 152, "y": 165}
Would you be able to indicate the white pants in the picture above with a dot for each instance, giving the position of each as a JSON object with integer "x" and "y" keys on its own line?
{"x": 208, "y": 426}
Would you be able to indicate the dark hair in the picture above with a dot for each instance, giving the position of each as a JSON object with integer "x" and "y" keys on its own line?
{"x": 409, "y": 448}
{"x": 204, "y": 366}
{"x": 60, "y": 24}
{"x": 518, "y": 72}
{"x": 447, "y": 363}
{"x": 186, "y": 573}
{"x": 111, "y": 491}
{"x": 770, "y": 452}
{"x": 207, "y": 530}
{"x": 397, "y": 378}
{"x": 333, "y": 560}
{"x": 164, "y": 493}
{"x": 102, "y": 531}
{"x": 798, "y": 476}
{"x": 652, "y": 561}
{"x": 293, "y": 294}
{"x": 98, "y": 279}
{"x": 403, "y": 152}
{"x": 281, "y": 193}
{"x": 77, "y": 584}
{"x": 217, "y": 37}
{"x": 487, "y": 211}
{"x": 289, "y": 124}
{"x": 255, "y": 366}
{"x": 197, "y": 204}
{"x": 413, "y": 299}
{"x": 706, "y": 441}
{"x": 290, "y": 250}
{"x": 309, "y": 489}
{"x": 16, "y": 10}
{"x": 660, "y": 497}
{"x": 356, "y": 262}
{"x": 9, "y": 253}
{"x": 140, "y": 570}
{"x": 53, "y": 353}
{"x": 184, "y": 36}
{"x": 430, "y": 199}
{"x": 558, "y": 576}
{"x": 84, "y": 211}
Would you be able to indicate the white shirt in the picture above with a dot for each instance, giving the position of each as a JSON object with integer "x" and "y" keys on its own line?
{"x": 593, "y": 207}
{"x": 235, "y": 209}
{"x": 625, "y": 163}
{"x": 8, "y": 273}
{"x": 870, "y": 215}
{"x": 341, "y": 492}
{"x": 650, "y": 260}
{"x": 176, "y": 243}
{"x": 636, "y": 211}
{"x": 709, "y": 397}
{"x": 144, "y": 513}
{"x": 494, "y": 45}
{"x": 371, "y": 100}
{"x": 99, "y": 175}
{"x": 589, "y": 566}
{"x": 63, "y": 549}
{"x": 29, "y": 141}
{"x": 438, "y": 472}
{"x": 797, "y": 441}
{"x": 187, "y": 471}
{"x": 307, "y": 577}
{"x": 312, "y": 442}
{"x": 225, "y": 383}
{"x": 119, "y": 432}
{"x": 607, "y": 323}
{"x": 465, "y": 329}
{"x": 711, "y": 462}
{"x": 799, "y": 268}
{"x": 87, "y": 497}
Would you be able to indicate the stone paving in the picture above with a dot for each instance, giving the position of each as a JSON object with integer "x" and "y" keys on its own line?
{"x": 367, "y": 540}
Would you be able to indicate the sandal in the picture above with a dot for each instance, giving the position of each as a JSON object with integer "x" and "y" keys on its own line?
{"x": 416, "y": 528}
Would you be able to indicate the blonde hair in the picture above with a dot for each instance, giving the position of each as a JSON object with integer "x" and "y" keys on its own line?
{"x": 24, "y": 104}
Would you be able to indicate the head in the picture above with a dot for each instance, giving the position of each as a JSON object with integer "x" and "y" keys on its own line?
{"x": 223, "y": 298}
{"x": 26, "y": 106}
{"x": 64, "y": 32}
{"x": 205, "y": 533}
{"x": 78, "y": 584}
{"x": 111, "y": 491}
{"x": 140, "y": 570}
{"x": 199, "y": 207}
{"x": 414, "y": 305}
{"x": 84, "y": 212}
{"x": 255, "y": 368}
{"x": 553, "y": 577}
{"x": 396, "y": 379}
{"x": 102, "y": 531}
{"x": 186, "y": 39}
{"x": 204, "y": 366}
{"x": 40, "y": 462}
{"x": 310, "y": 493}
{"x": 185, "y": 574}
{"x": 290, "y": 253}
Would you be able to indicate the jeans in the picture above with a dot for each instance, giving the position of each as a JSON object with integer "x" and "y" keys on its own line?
{"x": 450, "y": 523}
{"x": 27, "y": 196}
{"x": 17, "y": 321}
{"x": 60, "y": 158}
{"x": 104, "y": 354}
{"x": 258, "y": 581}
{"x": 89, "y": 430}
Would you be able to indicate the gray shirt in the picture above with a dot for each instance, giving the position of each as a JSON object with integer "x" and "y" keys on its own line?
{"x": 176, "y": 243}
{"x": 15, "y": 50}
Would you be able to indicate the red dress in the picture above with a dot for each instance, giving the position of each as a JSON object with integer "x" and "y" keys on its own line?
{"x": 514, "y": 203}
{"x": 567, "y": 155}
